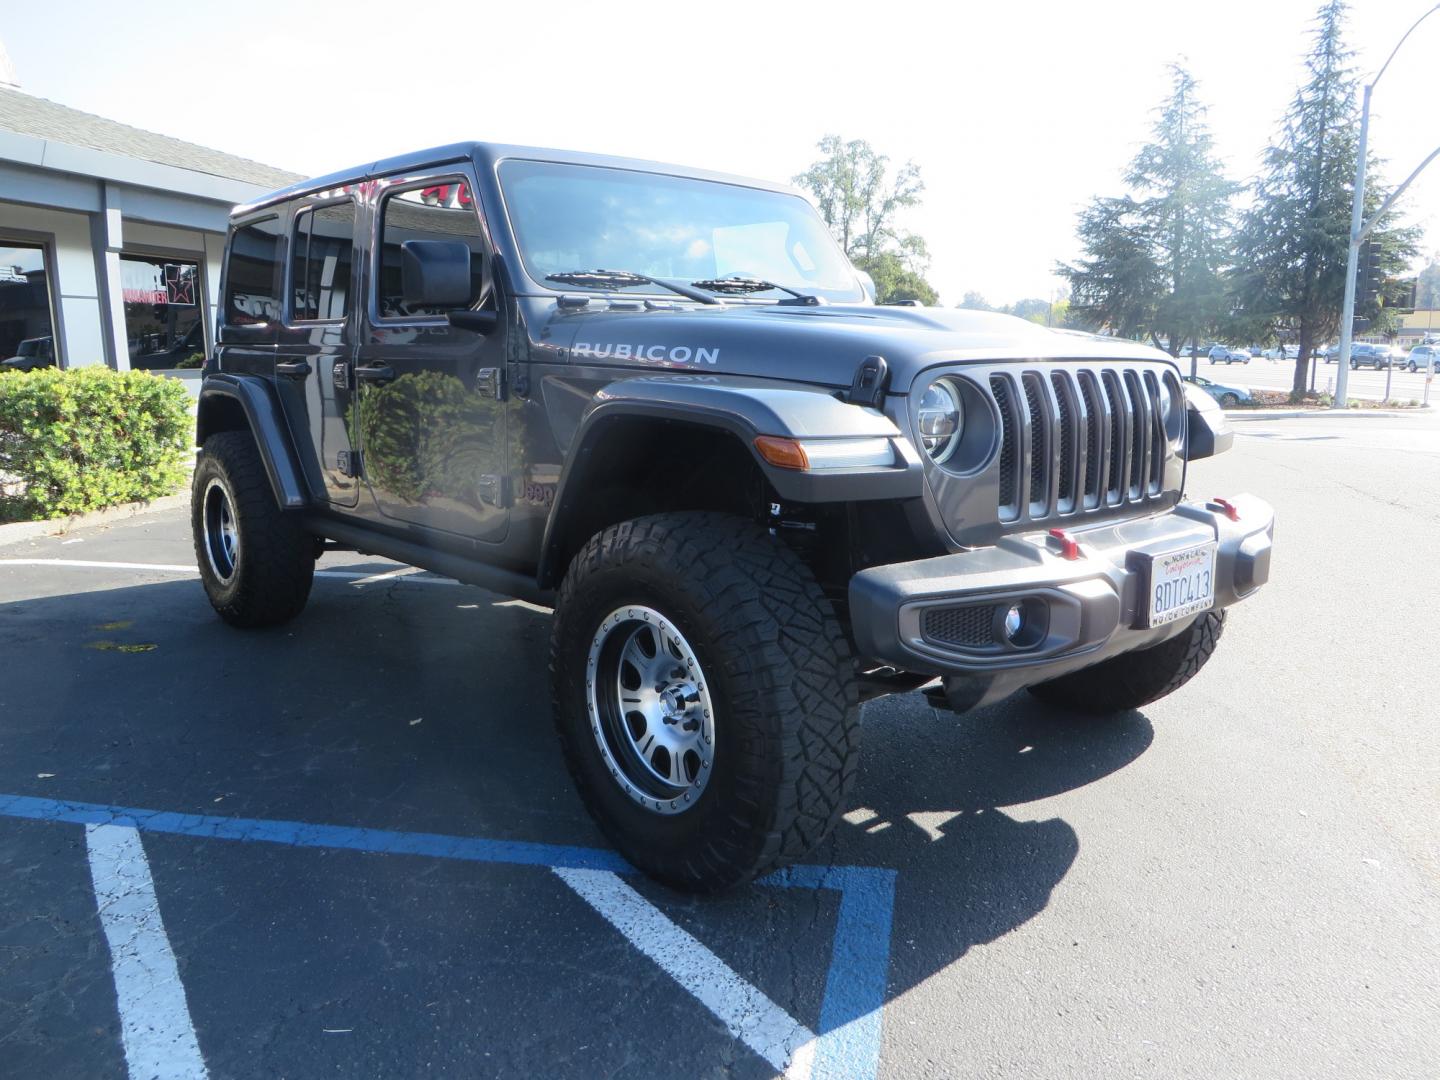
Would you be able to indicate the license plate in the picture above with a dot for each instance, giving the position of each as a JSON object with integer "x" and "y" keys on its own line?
{"x": 1181, "y": 583}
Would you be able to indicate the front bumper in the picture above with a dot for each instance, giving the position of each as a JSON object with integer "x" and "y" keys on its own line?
{"x": 945, "y": 616}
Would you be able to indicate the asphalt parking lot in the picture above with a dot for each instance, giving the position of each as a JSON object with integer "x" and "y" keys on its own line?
{"x": 364, "y": 859}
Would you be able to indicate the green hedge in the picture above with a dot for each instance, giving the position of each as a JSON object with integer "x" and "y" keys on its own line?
{"x": 72, "y": 441}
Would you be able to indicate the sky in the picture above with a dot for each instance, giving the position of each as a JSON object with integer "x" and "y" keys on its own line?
{"x": 1016, "y": 113}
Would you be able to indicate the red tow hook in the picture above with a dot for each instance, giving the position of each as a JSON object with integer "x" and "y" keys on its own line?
{"x": 1227, "y": 508}
{"x": 1069, "y": 546}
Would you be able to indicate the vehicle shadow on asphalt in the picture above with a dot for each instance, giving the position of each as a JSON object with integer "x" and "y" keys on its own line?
{"x": 933, "y": 786}
{"x": 426, "y": 708}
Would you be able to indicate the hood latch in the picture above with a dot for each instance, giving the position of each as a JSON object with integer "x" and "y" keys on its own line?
{"x": 871, "y": 379}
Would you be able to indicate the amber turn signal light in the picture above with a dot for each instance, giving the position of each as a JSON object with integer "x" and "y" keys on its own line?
{"x": 782, "y": 453}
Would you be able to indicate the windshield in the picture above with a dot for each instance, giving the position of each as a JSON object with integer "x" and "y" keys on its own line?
{"x": 571, "y": 218}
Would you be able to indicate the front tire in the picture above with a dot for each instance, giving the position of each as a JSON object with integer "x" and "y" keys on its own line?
{"x": 256, "y": 563}
{"x": 1228, "y": 401}
{"x": 705, "y": 697}
{"x": 1137, "y": 678}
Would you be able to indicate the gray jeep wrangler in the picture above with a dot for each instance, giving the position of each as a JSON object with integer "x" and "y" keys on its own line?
{"x": 662, "y": 402}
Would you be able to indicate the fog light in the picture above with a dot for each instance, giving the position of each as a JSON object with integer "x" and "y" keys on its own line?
{"x": 1014, "y": 622}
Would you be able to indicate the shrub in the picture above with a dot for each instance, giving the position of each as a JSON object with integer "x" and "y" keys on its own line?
{"x": 72, "y": 441}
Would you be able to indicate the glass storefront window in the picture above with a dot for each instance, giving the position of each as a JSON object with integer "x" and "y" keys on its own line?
{"x": 27, "y": 335}
{"x": 163, "y": 327}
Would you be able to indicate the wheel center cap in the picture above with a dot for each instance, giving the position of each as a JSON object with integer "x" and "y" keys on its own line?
{"x": 675, "y": 700}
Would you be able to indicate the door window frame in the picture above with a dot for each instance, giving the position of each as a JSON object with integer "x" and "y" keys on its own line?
{"x": 287, "y": 278}
{"x": 261, "y": 333}
{"x": 387, "y": 187}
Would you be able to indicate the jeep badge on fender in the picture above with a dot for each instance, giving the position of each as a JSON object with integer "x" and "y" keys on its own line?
{"x": 753, "y": 498}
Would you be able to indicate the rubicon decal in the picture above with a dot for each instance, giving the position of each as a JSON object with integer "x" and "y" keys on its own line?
{"x": 653, "y": 354}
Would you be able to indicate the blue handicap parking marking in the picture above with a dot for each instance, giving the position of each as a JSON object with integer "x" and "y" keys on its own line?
{"x": 845, "y": 1043}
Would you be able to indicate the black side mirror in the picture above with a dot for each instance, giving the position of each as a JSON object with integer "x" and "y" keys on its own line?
{"x": 435, "y": 273}
{"x": 1207, "y": 431}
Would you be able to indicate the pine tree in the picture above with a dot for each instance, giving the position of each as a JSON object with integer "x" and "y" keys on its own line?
{"x": 1294, "y": 239}
{"x": 1154, "y": 259}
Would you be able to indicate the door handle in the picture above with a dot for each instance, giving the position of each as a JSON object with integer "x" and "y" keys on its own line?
{"x": 293, "y": 368}
{"x": 375, "y": 372}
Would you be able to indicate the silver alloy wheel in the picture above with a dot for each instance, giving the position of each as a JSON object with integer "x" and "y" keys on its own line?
{"x": 221, "y": 530}
{"x": 650, "y": 709}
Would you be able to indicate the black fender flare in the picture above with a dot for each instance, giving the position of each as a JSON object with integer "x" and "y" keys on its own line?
{"x": 267, "y": 424}
{"x": 745, "y": 409}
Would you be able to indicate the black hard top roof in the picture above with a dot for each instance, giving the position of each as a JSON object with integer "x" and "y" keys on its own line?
{"x": 486, "y": 155}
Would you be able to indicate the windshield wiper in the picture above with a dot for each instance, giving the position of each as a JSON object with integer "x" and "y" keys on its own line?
{"x": 743, "y": 285}
{"x": 625, "y": 279}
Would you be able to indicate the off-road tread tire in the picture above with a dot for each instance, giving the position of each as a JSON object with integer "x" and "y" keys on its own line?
{"x": 277, "y": 557}
{"x": 1137, "y": 678}
{"x": 787, "y": 724}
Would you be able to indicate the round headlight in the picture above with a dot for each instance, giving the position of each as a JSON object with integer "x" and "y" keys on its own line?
{"x": 940, "y": 418}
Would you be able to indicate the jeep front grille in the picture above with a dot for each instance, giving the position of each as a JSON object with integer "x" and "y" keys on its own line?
{"x": 1078, "y": 438}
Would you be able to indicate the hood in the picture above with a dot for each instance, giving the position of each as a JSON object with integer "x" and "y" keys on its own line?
{"x": 822, "y": 345}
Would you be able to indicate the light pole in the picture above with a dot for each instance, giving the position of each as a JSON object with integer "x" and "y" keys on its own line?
{"x": 1359, "y": 228}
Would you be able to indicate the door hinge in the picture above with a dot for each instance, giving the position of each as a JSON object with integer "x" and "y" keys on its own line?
{"x": 349, "y": 462}
{"x": 494, "y": 490}
{"x": 490, "y": 382}
{"x": 340, "y": 374}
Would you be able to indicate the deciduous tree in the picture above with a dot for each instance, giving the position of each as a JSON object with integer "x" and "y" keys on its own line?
{"x": 862, "y": 203}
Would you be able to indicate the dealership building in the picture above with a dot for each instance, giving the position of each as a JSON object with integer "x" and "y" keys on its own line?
{"x": 110, "y": 237}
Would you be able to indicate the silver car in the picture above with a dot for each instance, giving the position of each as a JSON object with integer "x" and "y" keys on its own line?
{"x": 1227, "y": 396}
{"x": 1422, "y": 357}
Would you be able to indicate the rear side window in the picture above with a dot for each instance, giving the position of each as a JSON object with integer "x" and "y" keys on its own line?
{"x": 252, "y": 278}
{"x": 434, "y": 212}
{"x": 320, "y": 260}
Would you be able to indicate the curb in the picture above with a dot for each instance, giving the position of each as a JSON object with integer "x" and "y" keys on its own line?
{"x": 1300, "y": 414}
{"x": 29, "y": 530}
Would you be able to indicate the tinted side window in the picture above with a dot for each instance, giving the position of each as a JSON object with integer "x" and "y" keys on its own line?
{"x": 252, "y": 293}
{"x": 320, "y": 262}
{"x": 431, "y": 213}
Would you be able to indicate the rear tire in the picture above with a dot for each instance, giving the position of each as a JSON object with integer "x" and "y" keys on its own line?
{"x": 1228, "y": 401}
{"x": 753, "y": 638}
{"x": 256, "y": 563}
{"x": 1137, "y": 678}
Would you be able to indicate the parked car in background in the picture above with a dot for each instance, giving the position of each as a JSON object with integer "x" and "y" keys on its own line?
{"x": 32, "y": 353}
{"x": 1365, "y": 354}
{"x": 1222, "y": 354}
{"x": 1421, "y": 357}
{"x": 1227, "y": 396}
{"x": 1282, "y": 352}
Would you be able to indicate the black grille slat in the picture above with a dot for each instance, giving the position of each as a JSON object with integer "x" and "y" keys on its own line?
{"x": 1114, "y": 475}
{"x": 1067, "y": 442}
{"x": 1038, "y": 471}
{"x": 1140, "y": 414}
{"x": 1094, "y": 439}
{"x": 970, "y": 625}
{"x": 1009, "y": 448}
{"x": 1156, "y": 475}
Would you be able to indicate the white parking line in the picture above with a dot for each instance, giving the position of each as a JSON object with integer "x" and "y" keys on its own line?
{"x": 407, "y": 574}
{"x": 155, "y": 1024}
{"x": 749, "y": 1015}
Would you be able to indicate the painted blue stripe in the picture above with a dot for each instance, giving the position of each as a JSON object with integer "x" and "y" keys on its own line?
{"x": 855, "y": 987}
